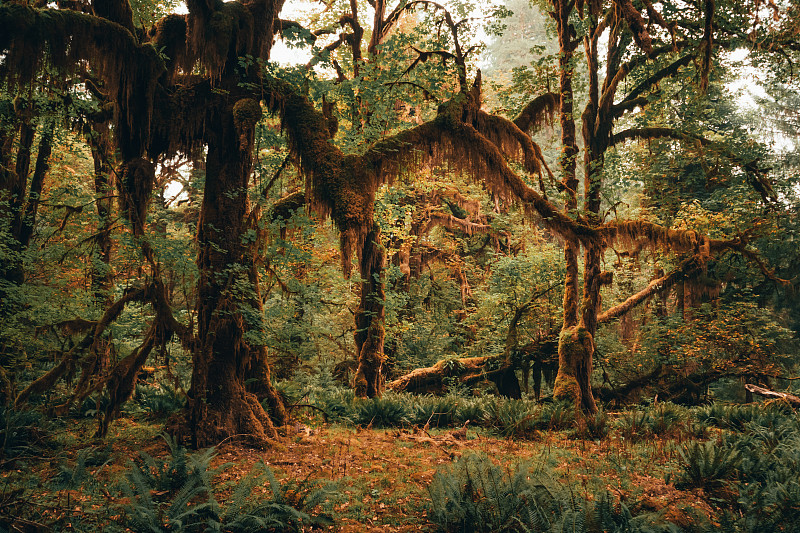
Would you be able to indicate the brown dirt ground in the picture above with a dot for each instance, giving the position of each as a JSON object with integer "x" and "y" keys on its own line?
{"x": 383, "y": 475}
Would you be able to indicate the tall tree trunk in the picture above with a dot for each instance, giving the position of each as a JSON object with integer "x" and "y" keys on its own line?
{"x": 28, "y": 220}
{"x": 575, "y": 343}
{"x": 102, "y": 151}
{"x": 96, "y": 365}
{"x": 220, "y": 407}
{"x": 369, "y": 380}
{"x": 13, "y": 185}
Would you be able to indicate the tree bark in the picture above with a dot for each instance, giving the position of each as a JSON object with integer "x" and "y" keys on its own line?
{"x": 470, "y": 371}
{"x": 369, "y": 335}
{"x": 220, "y": 407}
{"x": 791, "y": 399}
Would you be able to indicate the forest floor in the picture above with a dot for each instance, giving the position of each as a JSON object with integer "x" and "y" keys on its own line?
{"x": 382, "y": 476}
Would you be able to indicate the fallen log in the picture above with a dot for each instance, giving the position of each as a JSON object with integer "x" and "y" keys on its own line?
{"x": 471, "y": 371}
{"x": 793, "y": 400}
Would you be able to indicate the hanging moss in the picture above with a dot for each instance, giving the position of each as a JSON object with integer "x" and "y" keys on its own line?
{"x": 64, "y": 40}
{"x": 637, "y": 24}
{"x": 246, "y": 114}
{"x": 637, "y": 233}
{"x": 220, "y": 33}
{"x": 538, "y": 112}
{"x": 169, "y": 35}
{"x": 135, "y": 184}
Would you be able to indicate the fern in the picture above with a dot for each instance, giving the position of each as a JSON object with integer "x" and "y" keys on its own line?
{"x": 472, "y": 495}
{"x": 512, "y": 418}
{"x": 388, "y": 411}
{"x": 434, "y": 411}
{"x": 78, "y": 475}
{"x": 706, "y": 465}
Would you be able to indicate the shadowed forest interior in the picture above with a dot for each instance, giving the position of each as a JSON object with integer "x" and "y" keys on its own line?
{"x": 399, "y": 266}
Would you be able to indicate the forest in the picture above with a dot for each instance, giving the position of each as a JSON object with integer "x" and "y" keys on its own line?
{"x": 407, "y": 265}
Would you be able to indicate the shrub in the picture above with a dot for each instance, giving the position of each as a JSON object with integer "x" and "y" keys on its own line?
{"x": 512, "y": 418}
{"x": 556, "y": 416}
{"x": 471, "y": 409}
{"x": 388, "y": 411}
{"x": 20, "y": 432}
{"x": 159, "y": 401}
{"x": 337, "y": 403}
{"x": 707, "y": 465}
{"x": 187, "y": 503}
{"x": 635, "y": 424}
{"x": 597, "y": 425}
{"x": 435, "y": 411}
{"x": 472, "y": 495}
{"x": 666, "y": 419}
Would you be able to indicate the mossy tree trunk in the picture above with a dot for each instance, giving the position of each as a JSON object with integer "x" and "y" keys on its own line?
{"x": 369, "y": 336}
{"x": 220, "y": 406}
{"x": 575, "y": 343}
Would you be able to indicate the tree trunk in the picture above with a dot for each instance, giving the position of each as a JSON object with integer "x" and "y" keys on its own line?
{"x": 96, "y": 365}
{"x": 220, "y": 407}
{"x": 369, "y": 380}
{"x": 575, "y": 352}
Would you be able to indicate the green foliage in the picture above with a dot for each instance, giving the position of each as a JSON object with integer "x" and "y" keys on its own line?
{"x": 76, "y": 476}
{"x": 168, "y": 494}
{"x": 707, "y": 465}
{"x": 597, "y": 425}
{"x": 663, "y": 420}
{"x": 159, "y": 401}
{"x": 20, "y": 431}
{"x": 473, "y": 495}
{"x": 386, "y": 412}
{"x": 172, "y": 473}
{"x": 736, "y": 417}
{"x": 292, "y": 506}
{"x": 472, "y": 409}
{"x": 185, "y": 501}
{"x": 336, "y": 403}
{"x": 556, "y": 415}
{"x": 512, "y": 418}
{"x": 634, "y": 424}
{"x": 435, "y": 411}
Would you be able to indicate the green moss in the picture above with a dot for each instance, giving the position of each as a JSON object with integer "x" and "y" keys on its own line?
{"x": 566, "y": 388}
{"x": 360, "y": 386}
{"x": 246, "y": 113}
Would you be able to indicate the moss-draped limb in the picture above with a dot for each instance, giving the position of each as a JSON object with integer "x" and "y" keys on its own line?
{"x": 537, "y": 112}
{"x": 96, "y": 329}
{"x": 636, "y": 95}
{"x": 513, "y": 141}
{"x": 637, "y": 25}
{"x": 686, "y": 269}
{"x": 637, "y": 233}
{"x": 64, "y": 39}
{"x": 472, "y": 371}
